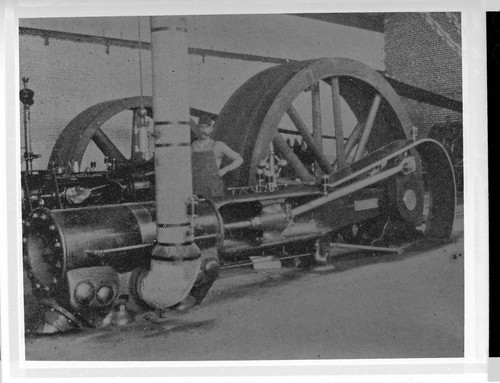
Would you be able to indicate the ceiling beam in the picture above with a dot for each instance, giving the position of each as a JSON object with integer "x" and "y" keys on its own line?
{"x": 369, "y": 21}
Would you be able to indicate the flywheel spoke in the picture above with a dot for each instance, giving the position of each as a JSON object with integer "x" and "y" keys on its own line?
{"x": 316, "y": 116}
{"x": 107, "y": 147}
{"x": 292, "y": 159}
{"x": 368, "y": 127}
{"x": 325, "y": 166}
{"x": 134, "y": 143}
{"x": 337, "y": 121}
{"x": 352, "y": 141}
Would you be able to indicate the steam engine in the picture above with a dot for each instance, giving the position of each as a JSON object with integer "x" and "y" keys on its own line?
{"x": 89, "y": 237}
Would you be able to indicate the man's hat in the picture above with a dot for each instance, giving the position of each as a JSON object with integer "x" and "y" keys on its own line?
{"x": 205, "y": 119}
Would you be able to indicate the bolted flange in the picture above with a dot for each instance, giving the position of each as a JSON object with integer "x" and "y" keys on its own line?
{"x": 43, "y": 253}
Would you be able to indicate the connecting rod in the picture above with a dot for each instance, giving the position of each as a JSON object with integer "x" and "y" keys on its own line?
{"x": 407, "y": 164}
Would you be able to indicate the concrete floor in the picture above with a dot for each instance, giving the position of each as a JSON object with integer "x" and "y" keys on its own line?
{"x": 360, "y": 306}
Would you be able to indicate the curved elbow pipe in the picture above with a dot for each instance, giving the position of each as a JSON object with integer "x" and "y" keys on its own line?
{"x": 171, "y": 277}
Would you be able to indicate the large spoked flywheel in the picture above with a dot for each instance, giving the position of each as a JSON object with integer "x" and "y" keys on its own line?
{"x": 318, "y": 114}
{"x": 88, "y": 126}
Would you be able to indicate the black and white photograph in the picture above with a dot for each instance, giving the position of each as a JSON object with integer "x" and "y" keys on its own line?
{"x": 242, "y": 187}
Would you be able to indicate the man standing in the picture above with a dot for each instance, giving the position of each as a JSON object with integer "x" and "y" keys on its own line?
{"x": 207, "y": 156}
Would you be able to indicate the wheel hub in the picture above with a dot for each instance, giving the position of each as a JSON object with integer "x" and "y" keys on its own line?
{"x": 410, "y": 199}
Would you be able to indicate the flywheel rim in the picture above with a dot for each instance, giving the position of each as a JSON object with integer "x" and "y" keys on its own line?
{"x": 76, "y": 136}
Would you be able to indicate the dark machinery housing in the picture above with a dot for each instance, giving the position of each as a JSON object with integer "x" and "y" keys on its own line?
{"x": 450, "y": 135}
{"x": 88, "y": 245}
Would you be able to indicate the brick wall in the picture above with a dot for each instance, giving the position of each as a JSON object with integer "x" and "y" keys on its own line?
{"x": 417, "y": 55}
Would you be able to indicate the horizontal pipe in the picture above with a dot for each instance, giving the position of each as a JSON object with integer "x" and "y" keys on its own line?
{"x": 287, "y": 241}
{"x": 243, "y": 264}
{"x": 363, "y": 247}
{"x": 100, "y": 253}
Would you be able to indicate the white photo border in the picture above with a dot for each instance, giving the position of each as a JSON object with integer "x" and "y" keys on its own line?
{"x": 474, "y": 363}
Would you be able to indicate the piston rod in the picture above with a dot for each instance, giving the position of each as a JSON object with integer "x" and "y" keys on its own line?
{"x": 100, "y": 253}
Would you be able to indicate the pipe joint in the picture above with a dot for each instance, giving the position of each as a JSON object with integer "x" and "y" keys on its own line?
{"x": 176, "y": 252}
{"x": 173, "y": 272}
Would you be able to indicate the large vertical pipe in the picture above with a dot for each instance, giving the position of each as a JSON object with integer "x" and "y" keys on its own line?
{"x": 175, "y": 260}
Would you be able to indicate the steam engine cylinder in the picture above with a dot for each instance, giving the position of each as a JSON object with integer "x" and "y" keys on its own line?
{"x": 122, "y": 236}
{"x": 57, "y": 241}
